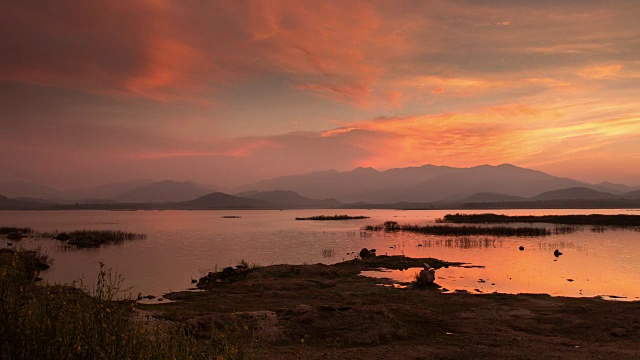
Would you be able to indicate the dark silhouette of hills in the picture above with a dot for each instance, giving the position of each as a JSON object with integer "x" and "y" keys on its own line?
{"x": 574, "y": 193}
{"x": 491, "y": 197}
{"x": 289, "y": 199}
{"x": 12, "y": 204}
{"x": 218, "y": 200}
{"x": 632, "y": 195}
{"x": 163, "y": 191}
{"x": 427, "y": 183}
{"x": 607, "y": 186}
{"x": 360, "y": 184}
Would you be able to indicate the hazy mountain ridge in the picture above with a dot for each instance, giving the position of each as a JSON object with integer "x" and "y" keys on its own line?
{"x": 163, "y": 191}
{"x": 288, "y": 199}
{"x": 426, "y": 184}
{"x": 439, "y": 186}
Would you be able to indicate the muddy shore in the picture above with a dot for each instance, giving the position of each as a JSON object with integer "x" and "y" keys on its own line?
{"x": 331, "y": 312}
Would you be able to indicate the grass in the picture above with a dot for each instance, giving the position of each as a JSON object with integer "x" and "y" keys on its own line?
{"x": 449, "y": 230}
{"x": 593, "y": 219}
{"x": 95, "y": 238}
{"x": 332, "y": 217}
{"x": 6, "y": 230}
{"x": 62, "y": 322}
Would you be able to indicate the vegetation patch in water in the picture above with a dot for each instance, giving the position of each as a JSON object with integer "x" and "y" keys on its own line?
{"x": 333, "y": 217}
{"x": 593, "y": 219}
{"x": 451, "y": 230}
{"x": 95, "y": 238}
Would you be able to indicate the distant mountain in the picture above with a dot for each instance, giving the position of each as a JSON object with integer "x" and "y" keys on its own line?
{"x": 425, "y": 184}
{"x": 289, "y": 199}
{"x": 575, "y": 193}
{"x": 107, "y": 191}
{"x": 15, "y": 189}
{"x": 491, "y": 197}
{"x": 218, "y": 200}
{"x": 505, "y": 179}
{"x": 12, "y": 204}
{"x": 632, "y": 195}
{"x": 163, "y": 191}
{"x": 360, "y": 184}
{"x": 616, "y": 188}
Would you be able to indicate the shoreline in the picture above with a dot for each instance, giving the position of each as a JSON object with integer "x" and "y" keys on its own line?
{"x": 337, "y": 313}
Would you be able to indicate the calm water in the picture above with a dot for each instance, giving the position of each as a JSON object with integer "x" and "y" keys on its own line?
{"x": 184, "y": 245}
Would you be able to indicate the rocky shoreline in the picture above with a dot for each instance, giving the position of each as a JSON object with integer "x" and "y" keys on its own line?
{"x": 331, "y": 312}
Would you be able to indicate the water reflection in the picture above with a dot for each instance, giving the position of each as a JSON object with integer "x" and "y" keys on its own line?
{"x": 184, "y": 245}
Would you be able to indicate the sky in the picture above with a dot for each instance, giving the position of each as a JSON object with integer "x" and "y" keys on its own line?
{"x": 230, "y": 92}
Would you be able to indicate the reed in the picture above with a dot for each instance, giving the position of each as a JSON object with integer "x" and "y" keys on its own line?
{"x": 593, "y": 219}
{"x": 332, "y": 217}
{"x": 95, "y": 238}
{"x": 62, "y": 322}
{"x": 465, "y": 230}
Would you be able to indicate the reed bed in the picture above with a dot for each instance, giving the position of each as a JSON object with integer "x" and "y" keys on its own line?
{"x": 593, "y": 219}
{"x": 7, "y": 230}
{"x": 465, "y": 230}
{"x": 333, "y": 217}
{"x": 464, "y": 242}
{"x": 328, "y": 253}
{"x": 562, "y": 230}
{"x": 94, "y": 238}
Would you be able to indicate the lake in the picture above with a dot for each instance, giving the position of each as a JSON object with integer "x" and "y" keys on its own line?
{"x": 185, "y": 245}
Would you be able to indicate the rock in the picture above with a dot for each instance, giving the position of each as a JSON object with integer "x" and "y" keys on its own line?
{"x": 193, "y": 281}
{"x": 618, "y": 332}
{"x": 160, "y": 299}
{"x": 426, "y": 276}
{"x": 521, "y": 248}
{"x": 150, "y": 297}
{"x": 365, "y": 253}
{"x": 63, "y": 236}
{"x": 327, "y": 308}
{"x": 557, "y": 253}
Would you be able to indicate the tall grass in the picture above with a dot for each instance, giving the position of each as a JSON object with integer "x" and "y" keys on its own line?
{"x": 95, "y": 238}
{"x": 332, "y": 217}
{"x": 466, "y": 230}
{"x": 61, "y": 322}
{"x": 593, "y": 219}
{"x": 6, "y": 230}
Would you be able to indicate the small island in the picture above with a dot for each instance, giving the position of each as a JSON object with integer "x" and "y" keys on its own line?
{"x": 333, "y": 217}
{"x": 593, "y": 219}
{"x": 454, "y": 230}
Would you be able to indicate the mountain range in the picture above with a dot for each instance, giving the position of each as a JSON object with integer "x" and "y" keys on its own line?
{"x": 427, "y": 186}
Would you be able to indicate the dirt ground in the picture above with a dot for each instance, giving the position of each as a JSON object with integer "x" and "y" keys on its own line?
{"x": 330, "y": 312}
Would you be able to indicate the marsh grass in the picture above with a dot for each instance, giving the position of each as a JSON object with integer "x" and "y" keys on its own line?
{"x": 6, "y": 230}
{"x": 463, "y": 242}
{"x": 562, "y": 230}
{"x": 593, "y": 219}
{"x": 332, "y": 217}
{"x": 95, "y": 238}
{"x": 328, "y": 253}
{"x": 463, "y": 230}
{"x": 63, "y": 322}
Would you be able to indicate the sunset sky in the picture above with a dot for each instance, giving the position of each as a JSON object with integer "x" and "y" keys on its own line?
{"x": 230, "y": 92}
